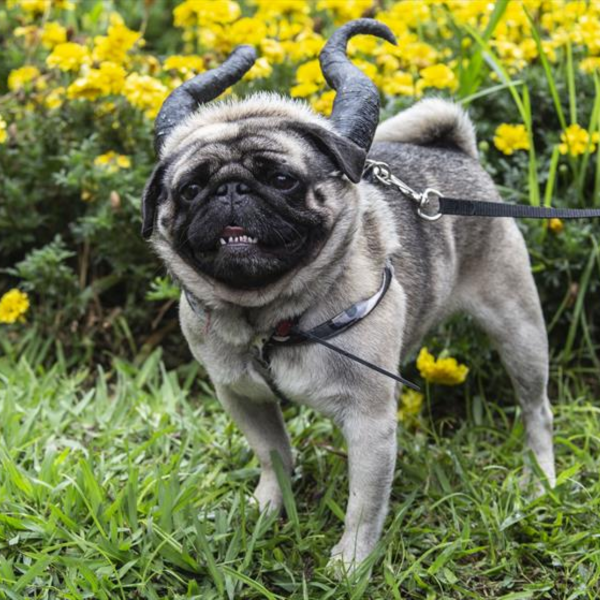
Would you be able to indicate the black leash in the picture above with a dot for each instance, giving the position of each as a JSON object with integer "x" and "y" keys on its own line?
{"x": 474, "y": 208}
{"x": 470, "y": 208}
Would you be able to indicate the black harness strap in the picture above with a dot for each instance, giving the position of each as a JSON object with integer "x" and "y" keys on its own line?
{"x": 287, "y": 333}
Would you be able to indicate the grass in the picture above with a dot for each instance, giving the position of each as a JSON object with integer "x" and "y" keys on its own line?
{"x": 133, "y": 483}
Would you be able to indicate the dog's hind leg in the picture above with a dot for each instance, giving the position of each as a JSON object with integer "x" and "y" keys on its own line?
{"x": 262, "y": 424}
{"x": 502, "y": 297}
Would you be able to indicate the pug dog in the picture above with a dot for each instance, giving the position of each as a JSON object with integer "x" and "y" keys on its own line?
{"x": 263, "y": 212}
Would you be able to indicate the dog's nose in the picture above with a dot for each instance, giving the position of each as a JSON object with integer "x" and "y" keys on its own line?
{"x": 232, "y": 189}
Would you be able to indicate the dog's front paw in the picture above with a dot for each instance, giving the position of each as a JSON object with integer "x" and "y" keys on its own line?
{"x": 267, "y": 496}
{"x": 347, "y": 556}
{"x": 531, "y": 485}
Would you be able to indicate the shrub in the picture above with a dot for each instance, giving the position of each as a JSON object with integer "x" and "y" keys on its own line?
{"x": 81, "y": 86}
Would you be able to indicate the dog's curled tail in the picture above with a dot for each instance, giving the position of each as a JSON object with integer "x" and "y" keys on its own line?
{"x": 431, "y": 122}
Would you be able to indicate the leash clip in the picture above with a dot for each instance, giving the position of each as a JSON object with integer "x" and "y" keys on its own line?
{"x": 383, "y": 173}
{"x": 424, "y": 201}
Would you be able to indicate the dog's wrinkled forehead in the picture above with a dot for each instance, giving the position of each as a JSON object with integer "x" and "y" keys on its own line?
{"x": 236, "y": 143}
{"x": 265, "y": 107}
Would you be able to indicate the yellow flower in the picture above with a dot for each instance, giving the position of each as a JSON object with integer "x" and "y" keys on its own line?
{"x": 437, "y": 76}
{"x": 423, "y": 56}
{"x": 19, "y": 78}
{"x": 245, "y": 31}
{"x": 68, "y": 57}
{"x": 398, "y": 84}
{"x": 446, "y": 371}
{"x": 411, "y": 402}
{"x": 55, "y": 98}
{"x": 590, "y": 64}
{"x": 38, "y": 7}
{"x": 576, "y": 140}
{"x": 509, "y": 138}
{"x": 13, "y": 305}
{"x": 345, "y": 10}
{"x": 306, "y": 45}
{"x": 108, "y": 79}
{"x": 53, "y": 34}
{"x": 556, "y": 226}
{"x": 117, "y": 43}
{"x": 260, "y": 69}
{"x": 272, "y": 50}
{"x": 33, "y": 7}
{"x": 112, "y": 162}
{"x": 3, "y": 132}
{"x": 186, "y": 65}
{"x": 196, "y": 12}
{"x": 324, "y": 103}
{"x": 146, "y": 93}
{"x": 309, "y": 79}
{"x": 268, "y": 8}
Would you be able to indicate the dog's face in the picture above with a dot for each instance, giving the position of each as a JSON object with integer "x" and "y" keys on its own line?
{"x": 246, "y": 193}
{"x": 245, "y": 201}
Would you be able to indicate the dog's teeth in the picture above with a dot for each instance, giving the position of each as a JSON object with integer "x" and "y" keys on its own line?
{"x": 223, "y": 241}
{"x": 230, "y": 240}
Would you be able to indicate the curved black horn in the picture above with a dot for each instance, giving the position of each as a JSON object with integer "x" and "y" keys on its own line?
{"x": 203, "y": 88}
{"x": 355, "y": 112}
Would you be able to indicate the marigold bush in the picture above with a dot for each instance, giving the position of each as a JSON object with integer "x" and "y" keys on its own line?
{"x": 81, "y": 83}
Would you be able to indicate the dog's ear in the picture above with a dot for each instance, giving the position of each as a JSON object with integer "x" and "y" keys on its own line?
{"x": 349, "y": 157}
{"x": 152, "y": 193}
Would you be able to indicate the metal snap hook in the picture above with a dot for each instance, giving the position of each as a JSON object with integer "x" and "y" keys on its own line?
{"x": 424, "y": 201}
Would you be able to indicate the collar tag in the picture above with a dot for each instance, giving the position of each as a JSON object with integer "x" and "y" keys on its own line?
{"x": 283, "y": 329}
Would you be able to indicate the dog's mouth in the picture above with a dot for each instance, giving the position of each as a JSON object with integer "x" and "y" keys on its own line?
{"x": 235, "y": 238}
{"x": 248, "y": 257}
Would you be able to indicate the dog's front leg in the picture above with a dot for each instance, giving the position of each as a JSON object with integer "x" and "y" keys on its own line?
{"x": 371, "y": 438}
{"x": 262, "y": 424}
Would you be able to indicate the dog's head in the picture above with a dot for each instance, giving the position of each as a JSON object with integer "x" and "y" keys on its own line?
{"x": 246, "y": 193}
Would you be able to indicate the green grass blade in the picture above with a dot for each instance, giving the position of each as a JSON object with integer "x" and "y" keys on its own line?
{"x": 470, "y": 77}
{"x": 285, "y": 484}
{"x": 551, "y": 176}
{"x": 579, "y": 305}
{"x": 571, "y": 84}
{"x": 547, "y": 70}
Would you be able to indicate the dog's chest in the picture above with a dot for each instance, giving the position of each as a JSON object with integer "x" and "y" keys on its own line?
{"x": 232, "y": 358}
{"x": 298, "y": 374}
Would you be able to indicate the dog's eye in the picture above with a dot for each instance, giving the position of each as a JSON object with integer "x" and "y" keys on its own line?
{"x": 283, "y": 181}
{"x": 190, "y": 191}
